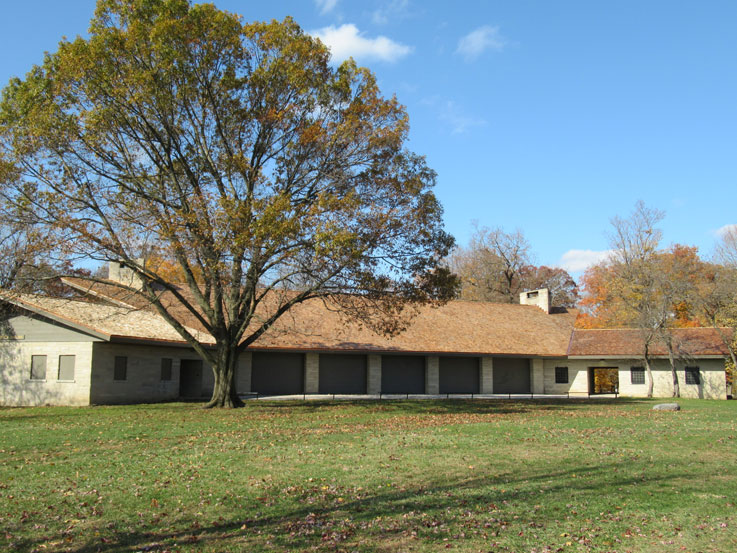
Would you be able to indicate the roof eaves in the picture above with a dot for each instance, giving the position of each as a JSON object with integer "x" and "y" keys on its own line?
{"x": 605, "y": 357}
{"x": 118, "y": 338}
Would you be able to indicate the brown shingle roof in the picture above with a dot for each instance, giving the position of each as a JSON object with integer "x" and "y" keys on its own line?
{"x": 460, "y": 327}
{"x": 619, "y": 341}
{"x": 109, "y": 321}
{"x": 127, "y": 298}
{"x": 456, "y": 327}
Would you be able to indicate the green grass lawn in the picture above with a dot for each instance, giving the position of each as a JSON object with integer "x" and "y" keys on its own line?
{"x": 371, "y": 476}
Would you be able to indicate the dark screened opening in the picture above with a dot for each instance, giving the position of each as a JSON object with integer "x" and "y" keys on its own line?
{"x": 511, "y": 375}
{"x": 277, "y": 373}
{"x": 166, "y": 363}
{"x": 459, "y": 375}
{"x": 637, "y": 375}
{"x": 561, "y": 375}
{"x": 190, "y": 378}
{"x": 120, "y": 371}
{"x": 692, "y": 375}
{"x": 402, "y": 374}
{"x": 342, "y": 374}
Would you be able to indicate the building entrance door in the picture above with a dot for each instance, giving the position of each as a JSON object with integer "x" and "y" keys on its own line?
{"x": 603, "y": 380}
{"x": 190, "y": 378}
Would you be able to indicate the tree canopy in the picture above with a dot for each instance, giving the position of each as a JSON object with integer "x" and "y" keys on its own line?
{"x": 235, "y": 155}
{"x": 654, "y": 289}
{"x": 498, "y": 265}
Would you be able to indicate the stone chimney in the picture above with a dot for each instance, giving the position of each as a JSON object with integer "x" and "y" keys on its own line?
{"x": 120, "y": 272}
{"x": 540, "y": 298}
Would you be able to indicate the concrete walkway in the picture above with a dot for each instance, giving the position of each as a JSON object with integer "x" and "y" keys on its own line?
{"x": 377, "y": 397}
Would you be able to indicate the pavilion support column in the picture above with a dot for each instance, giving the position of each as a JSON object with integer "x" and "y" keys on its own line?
{"x": 312, "y": 373}
{"x": 373, "y": 386}
{"x": 432, "y": 374}
{"x": 243, "y": 373}
{"x": 487, "y": 375}
{"x": 537, "y": 375}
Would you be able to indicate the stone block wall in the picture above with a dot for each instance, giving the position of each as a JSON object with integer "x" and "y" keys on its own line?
{"x": 18, "y": 389}
{"x": 143, "y": 381}
{"x": 711, "y": 371}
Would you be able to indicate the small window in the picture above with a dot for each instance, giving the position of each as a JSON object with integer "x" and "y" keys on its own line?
{"x": 38, "y": 367}
{"x": 692, "y": 375}
{"x": 66, "y": 367}
{"x": 533, "y": 294}
{"x": 121, "y": 368}
{"x": 561, "y": 375}
{"x": 637, "y": 375}
{"x": 165, "y": 368}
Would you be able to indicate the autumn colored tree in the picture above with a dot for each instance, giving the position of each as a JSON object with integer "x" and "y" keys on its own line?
{"x": 497, "y": 265}
{"x": 600, "y": 306}
{"x": 641, "y": 286}
{"x": 237, "y": 152}
{"x": 563, "y": 289}
{"x": 716, "y": 297}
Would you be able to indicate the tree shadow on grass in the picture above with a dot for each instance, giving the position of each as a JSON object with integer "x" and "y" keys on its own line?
{"x": 445, "y": 406}
{"x": 378, "y": 518}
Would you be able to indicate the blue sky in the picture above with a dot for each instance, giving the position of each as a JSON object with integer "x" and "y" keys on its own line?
{"x": 550, "y": 117}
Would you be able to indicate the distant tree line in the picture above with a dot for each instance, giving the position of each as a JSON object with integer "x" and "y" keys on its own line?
{"x": 641, "y": 285}
{"x": 497, "y": 265}
{"x": 656, "y": 289}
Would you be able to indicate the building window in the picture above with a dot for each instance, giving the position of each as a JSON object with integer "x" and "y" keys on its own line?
{"x": 637, "y": 375}
{"x": 692, "y": 375}
{"x": 121, "y": 368}
{"x": 66, "y": 367}
{"x": 561, "y": 375}
{"x": 38, "y": 367}
{"x": 166, "y": 368}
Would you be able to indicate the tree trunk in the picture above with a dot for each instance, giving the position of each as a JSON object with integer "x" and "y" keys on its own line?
{"x": 732, "y": 356}
{"x": 224, "y": 392}
{"x": 674, "y": 373}
{"x": 649, "y": 373}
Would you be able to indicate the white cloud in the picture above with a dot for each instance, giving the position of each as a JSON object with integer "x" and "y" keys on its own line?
{"x": 459, "y": 121}
{"x": 391, "y": 11}
{"x": 725, "y": 230}
{"x": 326, "y": 6}
{"x": 451, "y": 113}
{"x": 479, "y": 40}
{"x": 347, "y": 41}
{"x": 575, "y": 261}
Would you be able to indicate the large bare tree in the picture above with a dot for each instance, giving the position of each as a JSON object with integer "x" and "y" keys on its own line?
{"x": 497, "y": 265}
{"x": 716, "y": 296}
{"x": 643, "y": 286}
{"x": 26, "y": 260}
{"x": 236, "y": 152}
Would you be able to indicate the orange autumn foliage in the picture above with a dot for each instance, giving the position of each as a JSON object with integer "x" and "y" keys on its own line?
{"x": 604, "y": 303}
